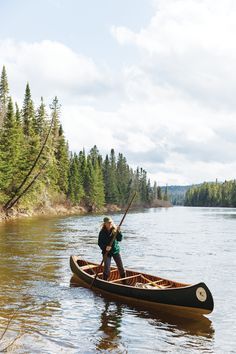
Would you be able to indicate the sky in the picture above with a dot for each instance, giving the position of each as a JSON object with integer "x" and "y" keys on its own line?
{"x": 153, "y": 79}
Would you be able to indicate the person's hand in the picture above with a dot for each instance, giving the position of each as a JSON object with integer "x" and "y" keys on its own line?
{"x": 118, "y": 229}
{"x": 108, "y": 248}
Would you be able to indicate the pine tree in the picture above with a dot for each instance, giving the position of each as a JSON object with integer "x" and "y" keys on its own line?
{"x": 106, "y": 178}
{"x": 53, "y": 145}
{"x": 62, "y": 157}
{"x": 159, "y": 193}
{"x": 18, "y": 114}
{"x": 28, "y": 113}
{"x": 75, "y": 186}
{"x": 123, "y": 180}
{"x": 143, "y": 186}
{"x": 4, "y": 92}
{"x": 150, "y": 197}
{"x": 155, "y": 190}
{"x": 56, "y": 108}
{"x": 83, "y": 179}
{"x": 166, "y": 197}
{"x": 41, "y": 120}
{"x": 60, "y": 148}
{"x": 109, "y": 172}
{"x": 82, "y": 161}
{"x": 11, "y": 145}
{"x": 95, "y": 196}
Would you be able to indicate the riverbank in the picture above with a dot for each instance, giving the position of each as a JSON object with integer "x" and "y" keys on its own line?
{"x": 65, "y": 209}
{"x": 57, "y": 209}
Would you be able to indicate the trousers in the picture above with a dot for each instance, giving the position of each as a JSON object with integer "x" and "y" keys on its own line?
{"x": 107, "y": 265}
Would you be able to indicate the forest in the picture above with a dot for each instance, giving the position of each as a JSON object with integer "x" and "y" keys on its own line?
{"x": 213, "y": 194}
{"x": 37, "y": 166}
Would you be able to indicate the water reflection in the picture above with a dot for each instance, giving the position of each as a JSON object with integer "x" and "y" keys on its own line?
{"x": 200, "y": 326}
{"x": 197, "y": 333}
{"x": 109, "y": 330}
{"x": 186, "y": 244}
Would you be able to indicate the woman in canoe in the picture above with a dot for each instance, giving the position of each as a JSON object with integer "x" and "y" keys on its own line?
{"x": 104, "y": 238}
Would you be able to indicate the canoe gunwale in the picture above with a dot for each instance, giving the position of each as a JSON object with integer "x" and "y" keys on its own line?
{"x": 91, "y": 276}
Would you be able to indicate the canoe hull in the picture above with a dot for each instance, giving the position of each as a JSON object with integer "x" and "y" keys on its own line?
{"x": 184, "y": 299}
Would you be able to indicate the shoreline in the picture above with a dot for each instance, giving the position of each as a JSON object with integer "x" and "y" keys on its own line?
{"x": 66, "y": 210}
{"x": 55, "y": 210}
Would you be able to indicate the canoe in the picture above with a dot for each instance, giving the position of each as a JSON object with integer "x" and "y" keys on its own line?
{"x": 146, "y": 290}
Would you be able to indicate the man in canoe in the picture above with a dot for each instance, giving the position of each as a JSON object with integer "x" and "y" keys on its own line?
{"x": 105, "y": 235}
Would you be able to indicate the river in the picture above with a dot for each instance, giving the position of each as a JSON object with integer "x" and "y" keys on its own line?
{"x": 51, "y": 316}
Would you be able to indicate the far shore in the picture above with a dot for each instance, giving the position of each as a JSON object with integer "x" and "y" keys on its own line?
{"x": 67, "y": 210}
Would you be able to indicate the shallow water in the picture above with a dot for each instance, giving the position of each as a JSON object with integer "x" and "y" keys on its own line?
{"x": 185, "y": 244}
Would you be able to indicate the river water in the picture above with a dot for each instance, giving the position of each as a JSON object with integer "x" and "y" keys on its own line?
{"x": 51, "y": 316}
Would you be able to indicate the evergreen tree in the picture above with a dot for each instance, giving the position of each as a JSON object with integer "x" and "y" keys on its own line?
{"x": 166, "y": 197}
{"x": 75, "y": 186}
{"x": 18, "y": 114}
{"x": 143, "y": 186}
{"x": 212, "y": 194}
{"x": 56, "y": 108}
{"x": 11, "y": 145}
{"x": 82, "y": 161}
{"x": 4, "y": 92}
{"x": 28, "y": 113}
{"x": 83, "y": 179}
{"x": 155, "y": 190}
{"x": 95, "y": 196}
{"x": 109, "y": 171}
{"x": 62, "y": 157}
{"x": 123, "y": 179}
{"x": 41, "y": 120}
{"x": 55, "y": 144}
{"x": 150, "y": 197}
{"x": 159, "y": 193}
{"x": 106, "y": 178}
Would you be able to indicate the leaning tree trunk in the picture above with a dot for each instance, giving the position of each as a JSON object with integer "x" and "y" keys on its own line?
{"x": 9, "y": 204}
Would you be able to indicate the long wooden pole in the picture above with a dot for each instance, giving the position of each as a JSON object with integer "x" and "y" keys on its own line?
{"x": 113, "y": 239}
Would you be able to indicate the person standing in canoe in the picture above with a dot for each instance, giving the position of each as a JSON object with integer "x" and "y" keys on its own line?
{"x": 104, "y": 238}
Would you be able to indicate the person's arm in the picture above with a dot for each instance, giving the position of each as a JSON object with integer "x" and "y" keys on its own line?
{"x": 101, "y": 241}
{"x": 119, "y": 235}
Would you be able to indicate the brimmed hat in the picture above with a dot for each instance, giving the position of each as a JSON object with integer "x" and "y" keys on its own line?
{"x": 107, "y": 219}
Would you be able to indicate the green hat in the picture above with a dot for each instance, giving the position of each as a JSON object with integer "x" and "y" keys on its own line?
{"x": 107, "y": 219}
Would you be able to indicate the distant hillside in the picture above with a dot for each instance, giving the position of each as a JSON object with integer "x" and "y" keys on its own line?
{"x": 177, "y": 194}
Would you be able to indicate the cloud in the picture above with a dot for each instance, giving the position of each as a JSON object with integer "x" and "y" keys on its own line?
{"x": 172, "y": 112}
{"x": 53, "y": 69}
{"x": 190, "y": 45}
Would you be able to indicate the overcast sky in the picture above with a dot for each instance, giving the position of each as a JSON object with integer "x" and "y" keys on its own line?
{"x": 154, "y": 79}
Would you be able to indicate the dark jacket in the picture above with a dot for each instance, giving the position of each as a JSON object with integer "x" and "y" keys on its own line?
{"x": 104, "y": 239}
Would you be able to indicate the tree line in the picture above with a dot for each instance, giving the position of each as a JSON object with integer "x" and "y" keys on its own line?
{"x": 212, "y": 194}
{"x": 59, "y": 175}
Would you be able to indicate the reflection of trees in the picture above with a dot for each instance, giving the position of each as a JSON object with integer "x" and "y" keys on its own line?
{"x": 110, "y": 332}
{"x": 5, "y": 345}
{"x": 28, "y": 249}
{"x": 29, "y": 266}
{"x": 110, "y": 326}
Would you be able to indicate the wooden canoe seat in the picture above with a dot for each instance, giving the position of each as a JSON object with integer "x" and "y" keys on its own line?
{"x": 165, "y": 286}
{"x": 130, "y": 277}
{"x": 88, "y": 266}
{"x": 112, "y": 271}
{"x": 150, "y": 281}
